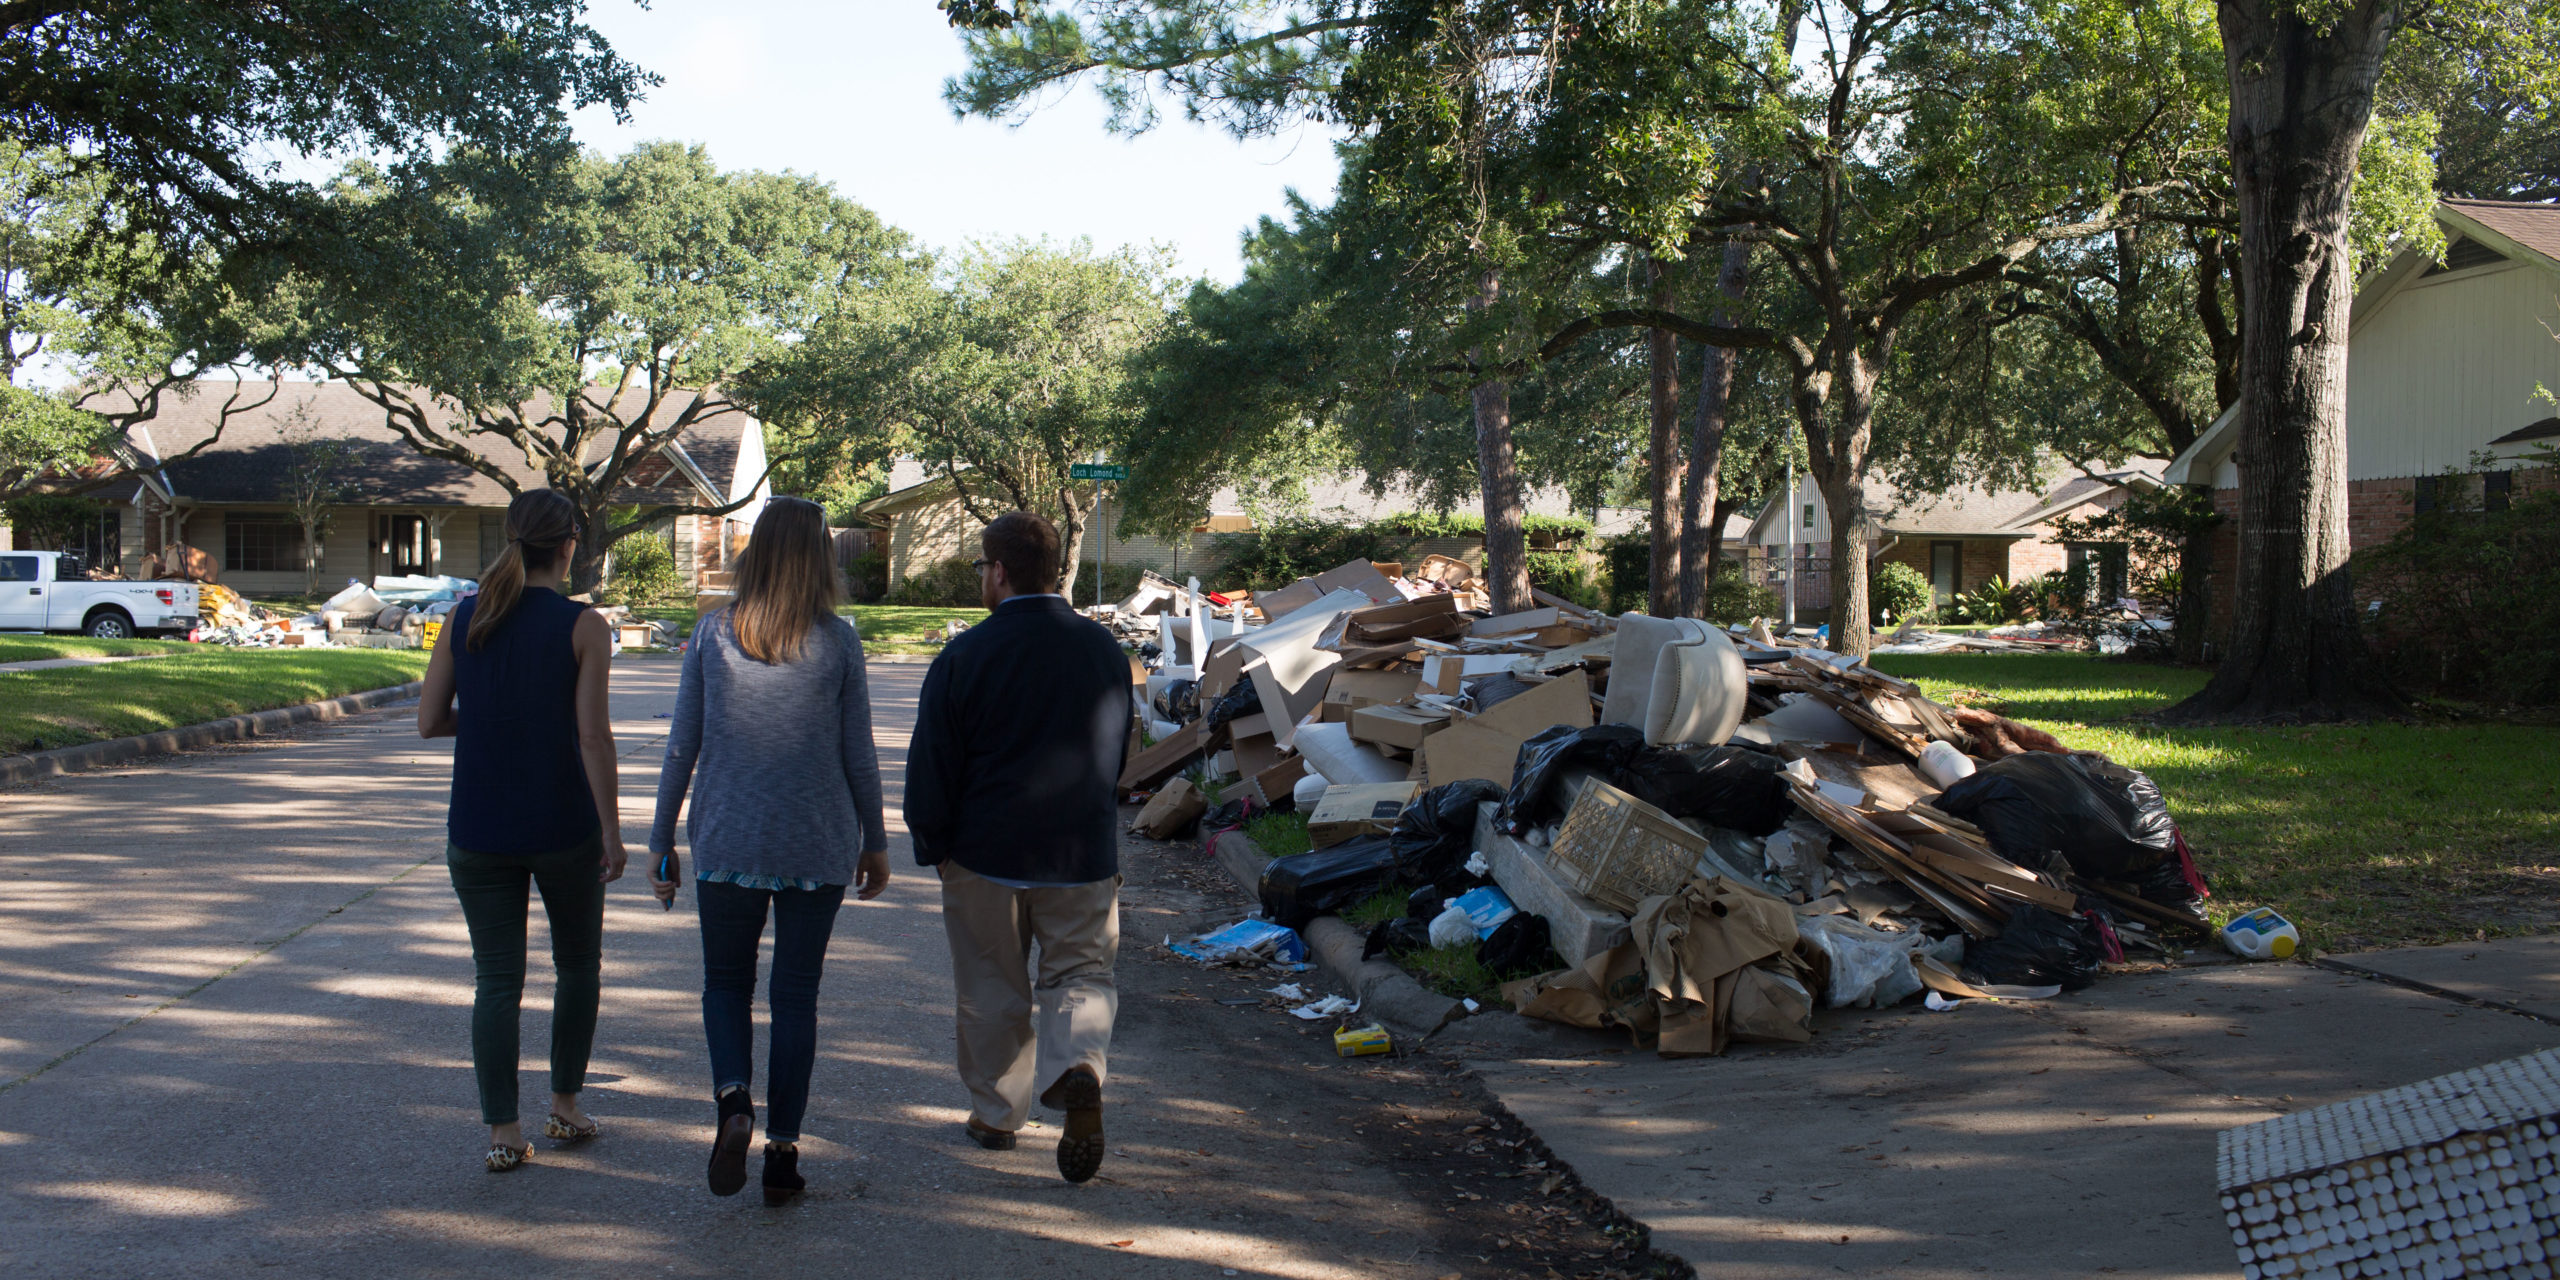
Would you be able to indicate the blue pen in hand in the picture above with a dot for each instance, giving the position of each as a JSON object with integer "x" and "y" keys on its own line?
{"x": 666, "y": 872}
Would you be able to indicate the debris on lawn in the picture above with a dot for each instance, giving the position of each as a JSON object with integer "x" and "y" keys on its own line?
{"x": 1714, "y": 829}
{"x": 1246, "y": 942}
{"x": 397, "y": 611}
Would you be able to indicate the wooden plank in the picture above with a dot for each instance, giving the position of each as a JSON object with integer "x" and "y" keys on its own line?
{"x": 1962, "y": 903}
{"x": 1993, "y": 882}
{"x": 2146, "y": 909}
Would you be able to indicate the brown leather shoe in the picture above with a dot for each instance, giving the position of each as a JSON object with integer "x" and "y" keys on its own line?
{"x": 1079, "y": 1094}
{"x": 993, "y": 1139}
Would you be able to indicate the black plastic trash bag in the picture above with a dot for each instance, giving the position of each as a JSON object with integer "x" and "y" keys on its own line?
{"x": 1396, "y": 937}
{"x": 1533, "y": 802}
{"x": 1227, "y": 817}
{"x": 1521, "y": 944}
{"x": 1436, "y": 832}
{"x": 1733, "y": 787}
{"x": 2176, "y": 883}
{"x": 1179, "y": 701}
{"x": 2079, "y": 813}
{"x": 1241, "y": 701}
{"x": 2037, "y": 949}
{"x": 1302, "y": 886}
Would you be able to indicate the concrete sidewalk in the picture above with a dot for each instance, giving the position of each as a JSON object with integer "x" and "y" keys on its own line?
{"x": 233, "y": 1040}
{"x": 2065, "y": 1137}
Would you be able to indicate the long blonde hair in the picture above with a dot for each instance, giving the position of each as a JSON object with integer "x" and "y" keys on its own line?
{"x": 787, "y": 581}
{"x": 539, "y": 523}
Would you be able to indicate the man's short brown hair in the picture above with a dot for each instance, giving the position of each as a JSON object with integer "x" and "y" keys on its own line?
{"x": 1027, "y": 546}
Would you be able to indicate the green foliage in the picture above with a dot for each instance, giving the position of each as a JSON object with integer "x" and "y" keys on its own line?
{"x": 1286, "y": 550}
{"x": 194, "y": 107}
{"x": 50, "y": 522}
{"x": 869, "y": 576}
{"x": 1895, "y": 591}
{"x": 1435, "y": 524}
{"x": 1992, "y": 603}
{"x": 2057, "y": 596}
{"x": 2154, "y": 525}
{"x": 1567, "y": 574}
{"x": 644, "y": 571}
{"x": 1733, "y": 599}
{"x": 42, "y": 436}
{"x": 2471, "y": 597}
{"x": 1630, "y": 559}
{"x": 951, "y": 583}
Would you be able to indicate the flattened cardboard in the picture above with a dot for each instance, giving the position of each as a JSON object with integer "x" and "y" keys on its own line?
{"x": 1563, "y": 700}
{"x": 1225, "y": 665}
{"x": 1256, "y": 747}
{"x": 1431, "y": 617}
{"x": 1469, "y": 750}
{"x": 1279, "y": 604}
{"x": 1166, "y": 758}
{"x": 1442, "y": 671}
{"x": 1352, "y": 690}
{"x": 1361, "y": 576}
{"x": 1506, "y": 624}
{"x": 1288, "y": 669}
{"x": 1274, "y": 784}
{"x": 1346, "y": 812}
{"x": 1389, "y": 725}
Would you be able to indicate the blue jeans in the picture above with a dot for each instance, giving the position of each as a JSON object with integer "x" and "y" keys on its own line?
{"x": 732, "y": 930}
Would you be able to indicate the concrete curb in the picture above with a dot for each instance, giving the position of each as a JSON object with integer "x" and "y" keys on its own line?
{"x": 1411, "y": 1011}
{"x": 98, "y": 755}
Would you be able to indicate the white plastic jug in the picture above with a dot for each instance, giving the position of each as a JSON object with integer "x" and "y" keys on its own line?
{"x": 2262, "y": 935}
{"x": 1944, "y": 764}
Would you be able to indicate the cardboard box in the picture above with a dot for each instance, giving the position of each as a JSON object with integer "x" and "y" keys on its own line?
{"x": 1278, "y": 782}
{"x": 1361, "y": 576}
{"x": 1563, "y": 700}
{"x": 1347, "y": 812}
{"x": 1170, "y": 810}
{"x": 1443, "y": 671}
{"x": 1510, "y": 623}
{"x": 1388, "y": 724}
{"x": 1279, "y": 604}
{"x": 1469, "y": 750}
{"x": 1431, "y": 617}
{"x": 1352, "y": 690}
{"x": 1255, "y": 747}
{"x": 1166, "y": 758}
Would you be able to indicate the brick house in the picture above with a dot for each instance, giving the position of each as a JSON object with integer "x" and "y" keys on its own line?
{"x": 1958, "y": 539}
{"x": 402, "y": 512}
{"x": 2447, "y": 361}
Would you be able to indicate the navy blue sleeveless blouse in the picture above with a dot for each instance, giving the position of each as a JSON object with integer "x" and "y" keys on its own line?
{"x": 519, "y": 786}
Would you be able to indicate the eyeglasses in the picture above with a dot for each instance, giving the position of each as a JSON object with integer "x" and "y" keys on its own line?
{"x": 980, "y": 565}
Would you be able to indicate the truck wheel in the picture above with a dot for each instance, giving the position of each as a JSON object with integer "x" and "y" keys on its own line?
{"x": 109, "y": 624}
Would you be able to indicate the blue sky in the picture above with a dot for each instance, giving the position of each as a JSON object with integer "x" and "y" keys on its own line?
{"x": 851, "y": 92}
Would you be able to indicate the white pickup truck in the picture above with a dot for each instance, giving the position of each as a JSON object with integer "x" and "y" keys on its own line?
{"x": 45, "y": 591}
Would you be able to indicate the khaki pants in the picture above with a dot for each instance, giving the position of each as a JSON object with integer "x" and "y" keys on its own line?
{"x": 1019, "y": 1034}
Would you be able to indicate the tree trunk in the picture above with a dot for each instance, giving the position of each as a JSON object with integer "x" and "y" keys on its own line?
{"x": 1071, "y": 548}
{"x": 1506, "y": 551}
{"x": 1663, "y": 573}
{"x": 2195, "y": 595}
{"x": 1701, "y": 516}
{"x": 595, "y": 534}
{"x": 1506, "y": 559}
{"x": 1842, "y": 473}
{"x": 2301, "y": 97}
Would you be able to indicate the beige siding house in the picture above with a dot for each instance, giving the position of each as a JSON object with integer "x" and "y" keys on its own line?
{"x": 401, "y": 511}
{"x": 2448, "y": 361}
{"x": 1958, "y": 539}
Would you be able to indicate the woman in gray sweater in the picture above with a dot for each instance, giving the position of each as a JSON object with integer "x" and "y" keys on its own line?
{"x": 773, "y": 732}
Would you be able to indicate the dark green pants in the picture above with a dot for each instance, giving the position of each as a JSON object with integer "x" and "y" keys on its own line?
{"x": 495, "y": 899}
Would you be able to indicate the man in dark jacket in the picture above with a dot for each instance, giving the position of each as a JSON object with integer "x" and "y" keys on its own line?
{"x": 1012, "y": 796}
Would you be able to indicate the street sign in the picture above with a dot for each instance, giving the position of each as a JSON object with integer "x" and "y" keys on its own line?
{"x": 1098, "y": 471}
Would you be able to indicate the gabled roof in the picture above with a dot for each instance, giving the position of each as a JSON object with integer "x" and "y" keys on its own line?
{"x": 2518, "y": 231}
{"x": 698, "y": 468}
{"x": 1979, "y": 512}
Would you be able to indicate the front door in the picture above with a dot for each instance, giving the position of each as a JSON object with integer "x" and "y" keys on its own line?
{"x": 1946, "y": 569}
{"x": 21, "y": 596}
{"x": 400, "y": 545}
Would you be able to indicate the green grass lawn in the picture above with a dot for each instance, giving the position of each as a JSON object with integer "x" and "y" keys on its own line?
{"x": 2367, "y": 836}
{"x": 41, "y": 710}
{"x": 885, "y": 628}
{"x": 37, "y": 648}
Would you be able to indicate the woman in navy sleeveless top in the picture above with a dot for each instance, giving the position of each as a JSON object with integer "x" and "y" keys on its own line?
{"x": 519, "y": 681}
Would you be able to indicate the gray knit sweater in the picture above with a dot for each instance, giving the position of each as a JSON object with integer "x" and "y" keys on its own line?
{"x": 790, "y": 785}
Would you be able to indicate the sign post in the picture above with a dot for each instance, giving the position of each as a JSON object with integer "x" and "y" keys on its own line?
{"x": 1097, "y": 472}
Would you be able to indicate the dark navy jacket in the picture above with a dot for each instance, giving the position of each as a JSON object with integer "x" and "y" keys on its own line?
{"x": 1014, "y": 768}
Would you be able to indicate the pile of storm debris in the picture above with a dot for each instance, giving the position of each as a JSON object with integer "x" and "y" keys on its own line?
{"x": 1695, "y": 832}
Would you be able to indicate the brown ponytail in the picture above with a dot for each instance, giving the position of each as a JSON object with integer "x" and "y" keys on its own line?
{"x": 787, "y": 581}
{"x": 539, "y": 523}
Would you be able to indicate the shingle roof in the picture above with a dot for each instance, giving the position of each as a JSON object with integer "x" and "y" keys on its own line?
{"x": 1976, "y": 511}
{"x": 245, "y": 464}
{"x": 2535, "y": 226}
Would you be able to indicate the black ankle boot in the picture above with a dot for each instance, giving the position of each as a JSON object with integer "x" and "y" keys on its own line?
{"x": 729, "y": 1144}
{"x": 782, "y": 1178}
